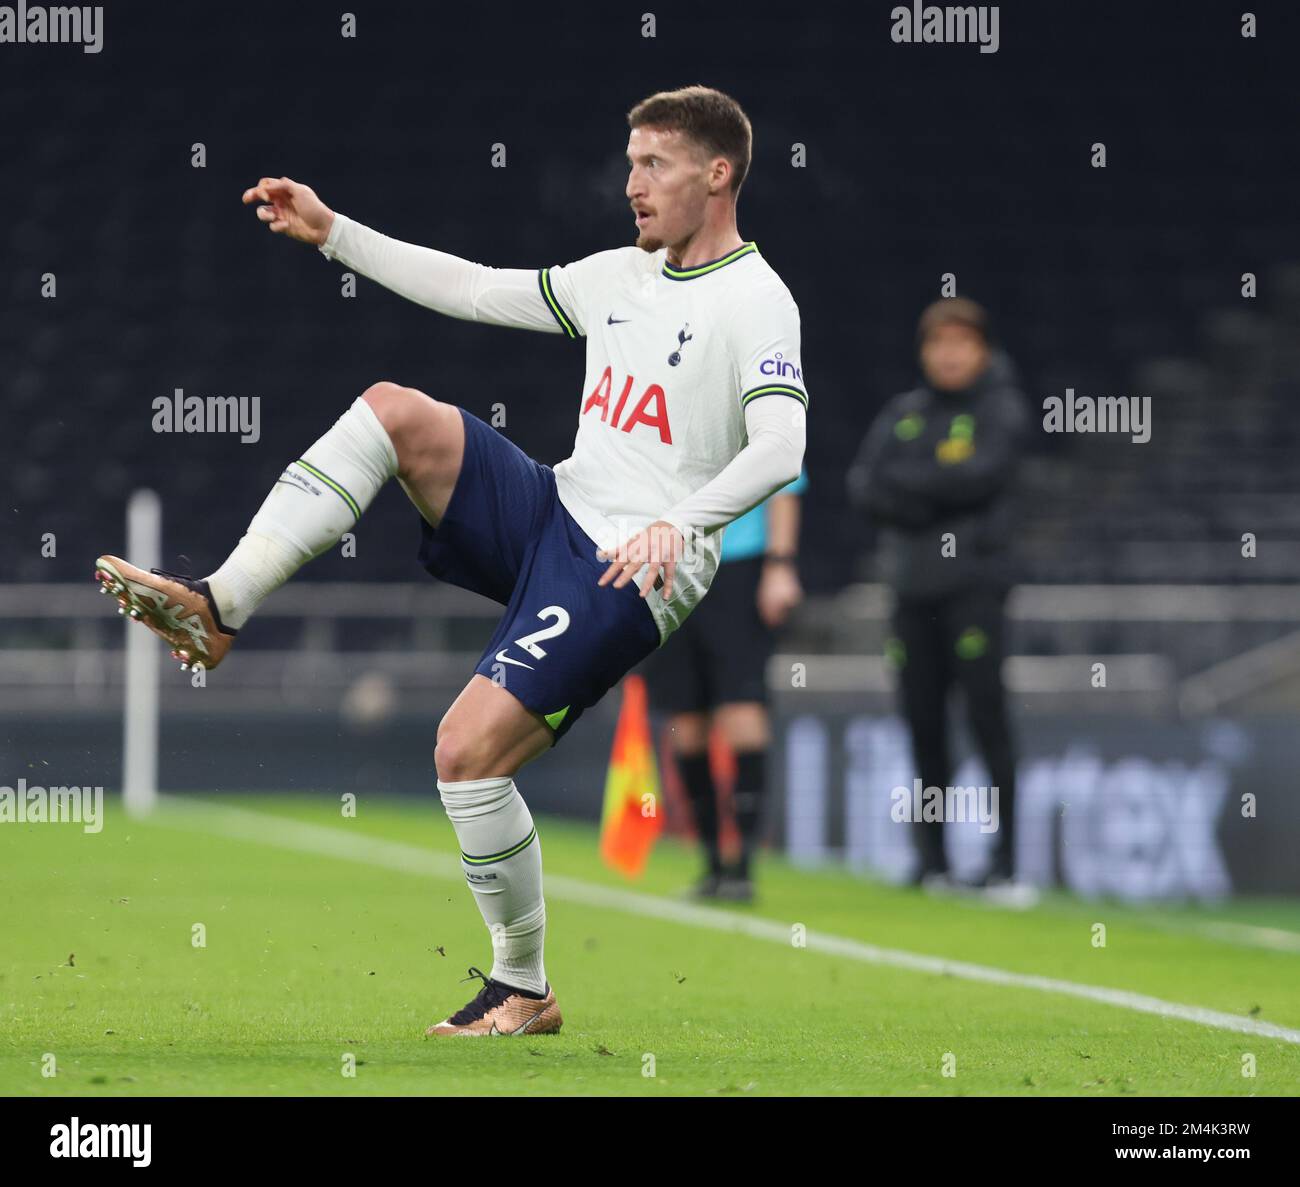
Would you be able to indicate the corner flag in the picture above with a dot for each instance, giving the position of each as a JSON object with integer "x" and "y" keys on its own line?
{"x": 632, "y": 816}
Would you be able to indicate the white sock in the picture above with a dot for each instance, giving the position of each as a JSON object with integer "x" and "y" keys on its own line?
{"x": 315, "y": 500}
{"x": 492, "y": 822}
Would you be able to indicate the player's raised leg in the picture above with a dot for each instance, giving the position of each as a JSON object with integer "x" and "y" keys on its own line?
{"x": 484, "y": 738}
{"x": 388, "y": 431}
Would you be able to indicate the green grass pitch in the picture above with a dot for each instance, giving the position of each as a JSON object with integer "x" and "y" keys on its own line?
{"x": 347, "y": 945}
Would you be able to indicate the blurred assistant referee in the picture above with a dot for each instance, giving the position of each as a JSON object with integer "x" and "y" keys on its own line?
{"x": 714, "y": 670}
{"x": 935, "y": 471}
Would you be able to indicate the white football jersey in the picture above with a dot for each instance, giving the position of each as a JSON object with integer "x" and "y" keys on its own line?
{"x": 673, "y": 356}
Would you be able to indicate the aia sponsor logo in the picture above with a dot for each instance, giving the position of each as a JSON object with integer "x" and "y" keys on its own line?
{"x": 650, "y": 409}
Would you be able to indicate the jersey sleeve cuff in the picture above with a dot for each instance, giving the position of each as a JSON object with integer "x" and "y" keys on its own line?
{"x": 774, "y": 389}
{"x": 330, "y": 248}
{"x": 562, "y": 319}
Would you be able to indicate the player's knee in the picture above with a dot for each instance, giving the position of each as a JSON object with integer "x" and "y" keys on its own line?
{"x": 744, "y": 724}
{"x": 410, "y": 418}
{"x": 390, "y": 402}
{"x": 690, "y": 734}
{"x": 457, "y": 756}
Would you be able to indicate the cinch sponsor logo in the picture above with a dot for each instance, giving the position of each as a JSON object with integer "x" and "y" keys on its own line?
{"x": 651, "y": 408}
{"x": 91, "y": 1139}
{"x": 780, "y": 366}
{"x": 39, "y": 25}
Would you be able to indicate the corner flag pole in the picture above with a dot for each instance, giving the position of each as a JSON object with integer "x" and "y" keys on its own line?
{"x": 140, "y": 716}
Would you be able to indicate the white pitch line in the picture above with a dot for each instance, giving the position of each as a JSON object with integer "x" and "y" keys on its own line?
{"x": 1275, "y": 939}
{"x": 266, "y": 829}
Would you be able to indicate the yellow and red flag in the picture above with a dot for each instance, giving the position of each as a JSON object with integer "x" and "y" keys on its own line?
{"x": 633, "y": 812}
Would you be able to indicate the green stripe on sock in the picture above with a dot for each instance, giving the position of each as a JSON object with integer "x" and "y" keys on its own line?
{"x": 491, "y": 857}
{"x": 334, "y": 486}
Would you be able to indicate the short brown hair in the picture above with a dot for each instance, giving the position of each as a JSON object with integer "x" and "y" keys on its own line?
{"x": 713, "y": 120}
{"x": 953, "y": 311}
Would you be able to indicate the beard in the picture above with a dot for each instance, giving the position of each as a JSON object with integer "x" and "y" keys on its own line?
{"x": 648, "y": 243}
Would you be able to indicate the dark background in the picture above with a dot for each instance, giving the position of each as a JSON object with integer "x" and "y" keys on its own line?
{"x": 921, "y": 159}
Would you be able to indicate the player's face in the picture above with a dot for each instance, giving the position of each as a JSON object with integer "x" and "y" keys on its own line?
{"x": 667, "y": 186}
{"x": 953, "y": 357}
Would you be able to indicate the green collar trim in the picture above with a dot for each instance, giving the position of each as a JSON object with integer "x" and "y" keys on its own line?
{"x": 712, "y": 266}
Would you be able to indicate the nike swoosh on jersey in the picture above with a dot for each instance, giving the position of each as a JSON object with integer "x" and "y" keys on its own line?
{"x": 616, "y": 321}
{"x": 503, "y": 658}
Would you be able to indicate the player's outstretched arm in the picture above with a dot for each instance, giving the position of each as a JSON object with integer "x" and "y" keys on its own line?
{"x": 434, "y": 279}
{"x": 291, "y": 208}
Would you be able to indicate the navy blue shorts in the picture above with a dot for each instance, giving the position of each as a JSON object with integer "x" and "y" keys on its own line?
{"x": 563, "y": 641}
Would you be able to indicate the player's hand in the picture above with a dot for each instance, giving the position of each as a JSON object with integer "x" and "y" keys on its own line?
{"x": 779, "y": 592}
{"x": 660, "y": 544}
{"x": 291, "y": 208}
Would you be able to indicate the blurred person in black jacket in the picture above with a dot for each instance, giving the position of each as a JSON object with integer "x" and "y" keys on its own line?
{"x": 935, "y": 471}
